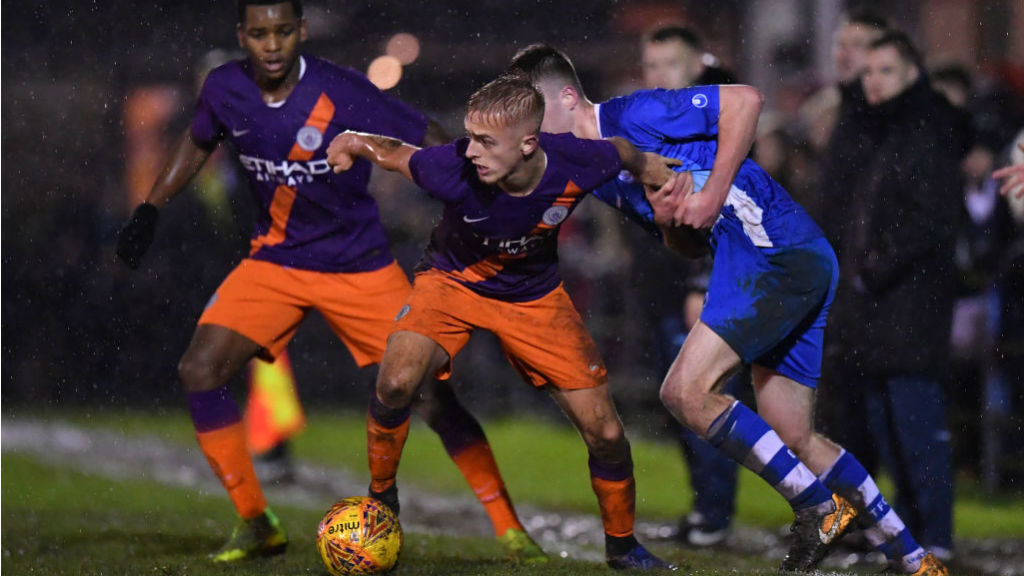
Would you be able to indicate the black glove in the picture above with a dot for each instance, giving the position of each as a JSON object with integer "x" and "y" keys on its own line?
{"x": 137, "y": 234}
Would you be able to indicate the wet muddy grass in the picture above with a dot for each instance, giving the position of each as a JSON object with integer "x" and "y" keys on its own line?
{"x": 87, "y": 500}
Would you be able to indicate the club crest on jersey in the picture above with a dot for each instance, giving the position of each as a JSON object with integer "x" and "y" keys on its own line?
{"x": 309, "y": 138}
{"x": 554, "y": 215}
{"x": 626, "y": 176}
{"x": 699, "y": 100}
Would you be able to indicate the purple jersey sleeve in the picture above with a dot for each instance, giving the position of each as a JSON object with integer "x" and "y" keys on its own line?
{"x": 207, "y": 129}
{"x": 594, "y": 161}
{"x": 442, "y": 171}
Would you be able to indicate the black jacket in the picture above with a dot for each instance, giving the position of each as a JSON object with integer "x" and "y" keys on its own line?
{"x": 848, "y": 152}
{"x": 897, "y": 276}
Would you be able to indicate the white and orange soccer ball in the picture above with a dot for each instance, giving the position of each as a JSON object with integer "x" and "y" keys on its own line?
{"x": 359, "y": 535}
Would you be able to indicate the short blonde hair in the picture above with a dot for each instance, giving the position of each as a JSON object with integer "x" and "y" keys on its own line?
{"x": 507, "y": 100}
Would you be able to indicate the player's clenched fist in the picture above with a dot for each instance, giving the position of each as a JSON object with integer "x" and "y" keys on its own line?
{"x": 136, "y": 235}
{"x": 340, "y": 151}
{"x": 666, "y": 199}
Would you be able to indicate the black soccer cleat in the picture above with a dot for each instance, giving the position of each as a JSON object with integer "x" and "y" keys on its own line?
{"x": 639, "y": 558}
{"x": 816, "y": 532}
{"x": 389, "y": 497}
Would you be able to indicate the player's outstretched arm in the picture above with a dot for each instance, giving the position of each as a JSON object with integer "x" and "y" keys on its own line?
{"x": 388, "y": 153}
{"x": 650, "y": 169}
{"x": 1014, "y": 178}
{"x": 136, "y": 235}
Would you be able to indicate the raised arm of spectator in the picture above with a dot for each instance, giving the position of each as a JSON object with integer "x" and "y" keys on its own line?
{"x": 389, "y": 153}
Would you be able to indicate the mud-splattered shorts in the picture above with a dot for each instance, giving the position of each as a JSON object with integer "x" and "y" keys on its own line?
{"x": 770, "y": 304}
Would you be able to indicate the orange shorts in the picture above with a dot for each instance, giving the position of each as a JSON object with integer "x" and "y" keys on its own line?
{"x": 266, "y": 302}
{"x": 544, "y": 339}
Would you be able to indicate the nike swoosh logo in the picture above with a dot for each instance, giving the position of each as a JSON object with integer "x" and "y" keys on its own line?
{"x": 237, "y": 133}
{"x": 469, "y": 220}
{"x": 826, "y": 537}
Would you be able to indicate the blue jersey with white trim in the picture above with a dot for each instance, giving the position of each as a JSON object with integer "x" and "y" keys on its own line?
{"x": 683, "y": 124}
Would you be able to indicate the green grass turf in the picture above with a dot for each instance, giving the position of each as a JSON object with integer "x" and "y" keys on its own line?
{"x": 544, "y": 464}
{"x": 57, "y": 521}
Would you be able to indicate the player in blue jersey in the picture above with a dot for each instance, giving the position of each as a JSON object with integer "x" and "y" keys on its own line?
{"x": 673, "y": 57}
{"x": 318, "y": 244}
{"x": 492, "y": 264}
{"x": 773, "y": 278}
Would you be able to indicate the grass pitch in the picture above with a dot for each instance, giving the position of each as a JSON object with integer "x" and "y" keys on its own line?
{"x": 58, "y": 520}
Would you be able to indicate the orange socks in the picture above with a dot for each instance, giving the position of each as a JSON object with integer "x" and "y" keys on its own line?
{"x": 384, "y": 449}
{"x": 617, "y": 500}
{"x": 481, "y": 471}
{"x": 226, "y": 451}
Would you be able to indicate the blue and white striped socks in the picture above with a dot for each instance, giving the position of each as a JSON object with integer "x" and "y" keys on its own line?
{"x": 746, "y": 438}
{"x": 848, "y": 478}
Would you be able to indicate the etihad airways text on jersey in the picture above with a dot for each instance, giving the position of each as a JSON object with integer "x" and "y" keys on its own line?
{"x": 287, "y": 172}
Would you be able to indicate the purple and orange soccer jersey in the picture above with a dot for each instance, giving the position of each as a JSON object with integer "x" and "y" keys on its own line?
{"x": 503, "y": 246}
{"x": 309, "y": 217}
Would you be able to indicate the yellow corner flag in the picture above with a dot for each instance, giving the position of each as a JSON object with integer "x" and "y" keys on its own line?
{"x": 273, "y": 413}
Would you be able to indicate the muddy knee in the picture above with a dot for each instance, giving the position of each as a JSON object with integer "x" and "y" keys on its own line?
{"x": 395, "y": 388}
{"x": 607, "y": 442}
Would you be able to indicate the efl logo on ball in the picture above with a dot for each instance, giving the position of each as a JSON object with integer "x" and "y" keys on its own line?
{"x": 359, "y": 535}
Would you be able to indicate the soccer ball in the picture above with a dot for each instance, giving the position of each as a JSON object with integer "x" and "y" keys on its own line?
{"x": 359, "y": 535}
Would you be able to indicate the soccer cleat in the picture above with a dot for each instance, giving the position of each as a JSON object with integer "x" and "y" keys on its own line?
{"x": 389, "y": 497}
{"x": 639, "y": 558}
{"x": 931, "y": 566}
{"x": 520, "y": 548}
{"x": 256, "y": 537}
{"x": 275, "y": 465}
{"x": 695, "y": 533}
{"x": 816, "y": 533}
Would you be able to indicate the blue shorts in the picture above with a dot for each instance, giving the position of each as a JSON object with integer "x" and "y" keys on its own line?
{"x": 770, "y": 304}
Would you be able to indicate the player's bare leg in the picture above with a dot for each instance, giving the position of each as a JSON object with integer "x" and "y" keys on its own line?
{"x": 214, "y": 355}
{"x": 593, "y": 413}
{"x": 212, "y": 358}
{"x": 788, "y": 407}
{"x": 703, "y": 364}
{"x": 409, "y": 360}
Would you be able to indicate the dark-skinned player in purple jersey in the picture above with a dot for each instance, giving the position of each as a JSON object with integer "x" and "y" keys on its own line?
{"x": 318, "y": 243}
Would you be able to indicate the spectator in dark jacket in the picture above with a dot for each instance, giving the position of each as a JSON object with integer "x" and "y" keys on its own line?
{"x": 845, "y": 151}
{"x": 898, "y": 279}
{"x": 841, "y": 411}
